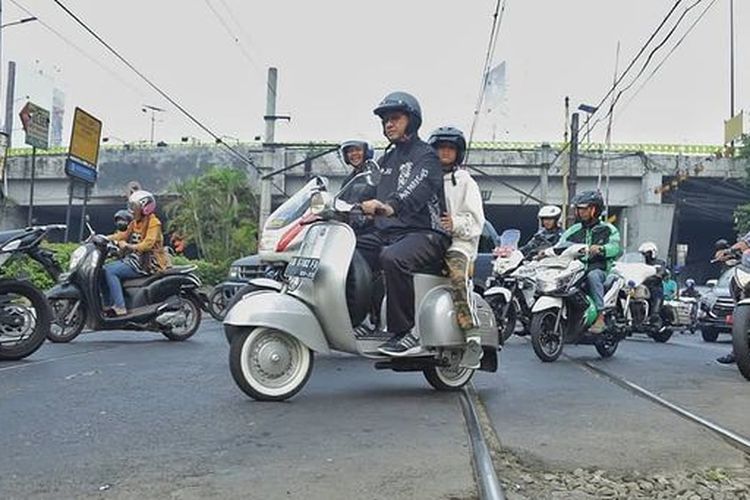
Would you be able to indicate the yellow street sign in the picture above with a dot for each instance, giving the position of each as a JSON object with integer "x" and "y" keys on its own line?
{"x": 84, "y": 141}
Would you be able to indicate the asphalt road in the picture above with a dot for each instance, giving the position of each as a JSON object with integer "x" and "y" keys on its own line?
{"x": 126, "y": 415}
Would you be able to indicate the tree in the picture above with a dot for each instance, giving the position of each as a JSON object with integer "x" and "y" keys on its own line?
{"x": 216, "y": 211}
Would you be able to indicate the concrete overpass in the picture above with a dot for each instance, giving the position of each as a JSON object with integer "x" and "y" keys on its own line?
{"x": 507, "y": 173}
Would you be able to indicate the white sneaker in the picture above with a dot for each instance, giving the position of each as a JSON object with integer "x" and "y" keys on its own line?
{"x": 472, "y": 354}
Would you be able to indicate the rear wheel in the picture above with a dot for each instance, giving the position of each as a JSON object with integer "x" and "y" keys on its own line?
{"x": 217, "y": 303}
{"x": 547, "y": 340}
{"x": 24, "y": 319}
{"x": 662, "y": 336}
{"x": 187, "y": 319}
{"x": 709, "y": 333}
{"x": 444, "y": 378}
{"x": 68, "y": 320}
{"x": 741, "y": 339}
{"x": 268, "y": 364}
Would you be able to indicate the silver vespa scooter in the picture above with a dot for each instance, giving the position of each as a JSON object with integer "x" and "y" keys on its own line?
{"x": 324, "y": 296}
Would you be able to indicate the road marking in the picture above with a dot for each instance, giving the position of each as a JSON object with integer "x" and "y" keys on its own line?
{"x": 49, "y": 360}
{"x": 735, "y": 440}
{"x": 484, "y": 471}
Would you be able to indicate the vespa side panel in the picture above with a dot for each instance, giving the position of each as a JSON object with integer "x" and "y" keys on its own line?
{"x": 279, "y": 311}
{"x": 333, "y": 243}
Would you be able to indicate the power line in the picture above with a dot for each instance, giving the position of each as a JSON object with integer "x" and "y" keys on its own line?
{"x": 232, "y": 35}
{"x": 161, "y": 92}
{"x": 88, "y": 56}
{"x": 644, "y": 66}
{"x": 674, "y": 48}
{"x": 622, "y": 76}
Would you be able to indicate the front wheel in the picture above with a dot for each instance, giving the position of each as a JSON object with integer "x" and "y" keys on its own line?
{"x": 217, "y": 303}
{"x": 68, "y": 320}
{"x": 444, "y": 378}
{"x": 506, "y": 324}
{"x": 24, "y": 319}
{"x": 662, "y": 336}
{"x": 607, "y": 348}
{"x": 184, "y": 322}
{"x": 547, "y": 340}
{"x": 741, "y": 339}
{"x": 268, "y": 364}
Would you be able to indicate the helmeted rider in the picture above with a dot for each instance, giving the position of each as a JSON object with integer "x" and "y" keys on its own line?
{"x": 123, "y": 218}
{"x": 690, "y": 290}
{"x": 650, "y": 253}
{"x": 356, "y": 153}
{"x": 143, "y": 241}
{"x": 548, "y": 234}
{"x": 464, "y": 220}
{"x": 724, "y": 253}
{"x": 603, "y": 241}
{"x": 407, "y": 233}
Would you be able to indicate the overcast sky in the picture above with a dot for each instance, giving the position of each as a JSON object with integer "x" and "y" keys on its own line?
{"x": 337, "y": 58}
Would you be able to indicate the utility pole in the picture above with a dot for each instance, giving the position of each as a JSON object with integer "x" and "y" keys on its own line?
{"x": 10, "y": 98}
{"x": 153, "y": 110}
{"x": 268, "y": 147}
{"x": 731, "y": 58}
{"x": 573, "y": 174}
{"x": 565, "y": 170}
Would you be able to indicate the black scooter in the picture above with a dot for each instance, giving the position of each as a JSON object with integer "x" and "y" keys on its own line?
{"x": 24, "y": 312}
{"x": 168, "y": 302}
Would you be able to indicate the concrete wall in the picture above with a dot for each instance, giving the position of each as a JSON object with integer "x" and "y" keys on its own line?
{"x": 647, "y": 222}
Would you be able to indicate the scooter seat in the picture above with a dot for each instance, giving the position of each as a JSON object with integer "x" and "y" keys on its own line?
{"x": 147, "y": 280}
{"x": 11, "y": 235}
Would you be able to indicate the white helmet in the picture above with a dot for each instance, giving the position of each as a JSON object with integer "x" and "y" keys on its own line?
{"x": 549, "y": 212}
{"x": 649, "y": 247}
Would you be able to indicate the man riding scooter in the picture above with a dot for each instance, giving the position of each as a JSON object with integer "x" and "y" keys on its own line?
{"x": 407, "y": 235}
{"x": 603, "y": 241}
{"x": 548, "y": 234}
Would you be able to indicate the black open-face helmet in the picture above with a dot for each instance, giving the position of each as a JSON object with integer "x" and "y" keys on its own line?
{"x": 450, "y": 135}
{"x": 123, "y": 218}
{"x": 405, "y": 102}
{"x": 590, "y": 198}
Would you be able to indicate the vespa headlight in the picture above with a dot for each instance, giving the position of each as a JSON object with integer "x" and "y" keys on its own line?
{"x": 234, "y": 272}
{"x": 320, "y": 201}
{"x": 76, "y": 257}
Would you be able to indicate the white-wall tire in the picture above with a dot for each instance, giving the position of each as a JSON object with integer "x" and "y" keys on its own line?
{"x": 268, "y": 364}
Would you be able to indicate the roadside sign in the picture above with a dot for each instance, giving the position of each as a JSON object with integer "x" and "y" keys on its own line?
{"x": 84, "y": 141}
{"x": 80, "y": 170}
{"x": 35, "y": 120}
{"x": 735, "y": 127}
{"x": 83, "y": 154}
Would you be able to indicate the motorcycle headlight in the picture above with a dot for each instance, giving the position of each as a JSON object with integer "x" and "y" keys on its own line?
{"x": 549, "y": 284}
{"x": 319, "y": 201}
{"x": 234, "y": 272}
{"x": 76, "y": 257}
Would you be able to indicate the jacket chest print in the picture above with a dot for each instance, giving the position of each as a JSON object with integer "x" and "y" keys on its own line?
{"x": 404, "y": 172}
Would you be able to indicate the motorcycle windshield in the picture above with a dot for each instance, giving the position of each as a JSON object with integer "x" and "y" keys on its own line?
{"x": 296, "y": 206}
{"x": 510, "y": 238}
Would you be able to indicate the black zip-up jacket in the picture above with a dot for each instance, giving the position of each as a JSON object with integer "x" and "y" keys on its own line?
{"x": 542, "y": 239}
{"x": 411, "y": 183}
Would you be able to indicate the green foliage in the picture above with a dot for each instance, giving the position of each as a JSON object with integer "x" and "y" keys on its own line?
{"x": 210, "y": 273}
{"x": 26, "y": 268}
{"x": 217, "y": 212}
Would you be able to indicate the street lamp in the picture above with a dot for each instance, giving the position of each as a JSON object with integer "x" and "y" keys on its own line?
{"x": 589, "y": 110}
{"x": 153, "y": 109}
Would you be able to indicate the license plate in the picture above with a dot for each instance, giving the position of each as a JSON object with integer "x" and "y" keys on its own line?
{"x": 303, "y": 267}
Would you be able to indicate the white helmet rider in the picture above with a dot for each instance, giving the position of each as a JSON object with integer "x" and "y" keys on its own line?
{"x": 648, "y": 247}
{"x": 549, "y": 212}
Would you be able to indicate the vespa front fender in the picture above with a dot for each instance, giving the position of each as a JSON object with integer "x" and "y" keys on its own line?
{"x": 498, "y": 290}
{"x": 545, "y": 303}
{"x": 279, "y": 311}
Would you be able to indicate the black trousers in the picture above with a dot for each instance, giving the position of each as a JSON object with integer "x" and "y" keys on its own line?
{"x": 399, "y": 256}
